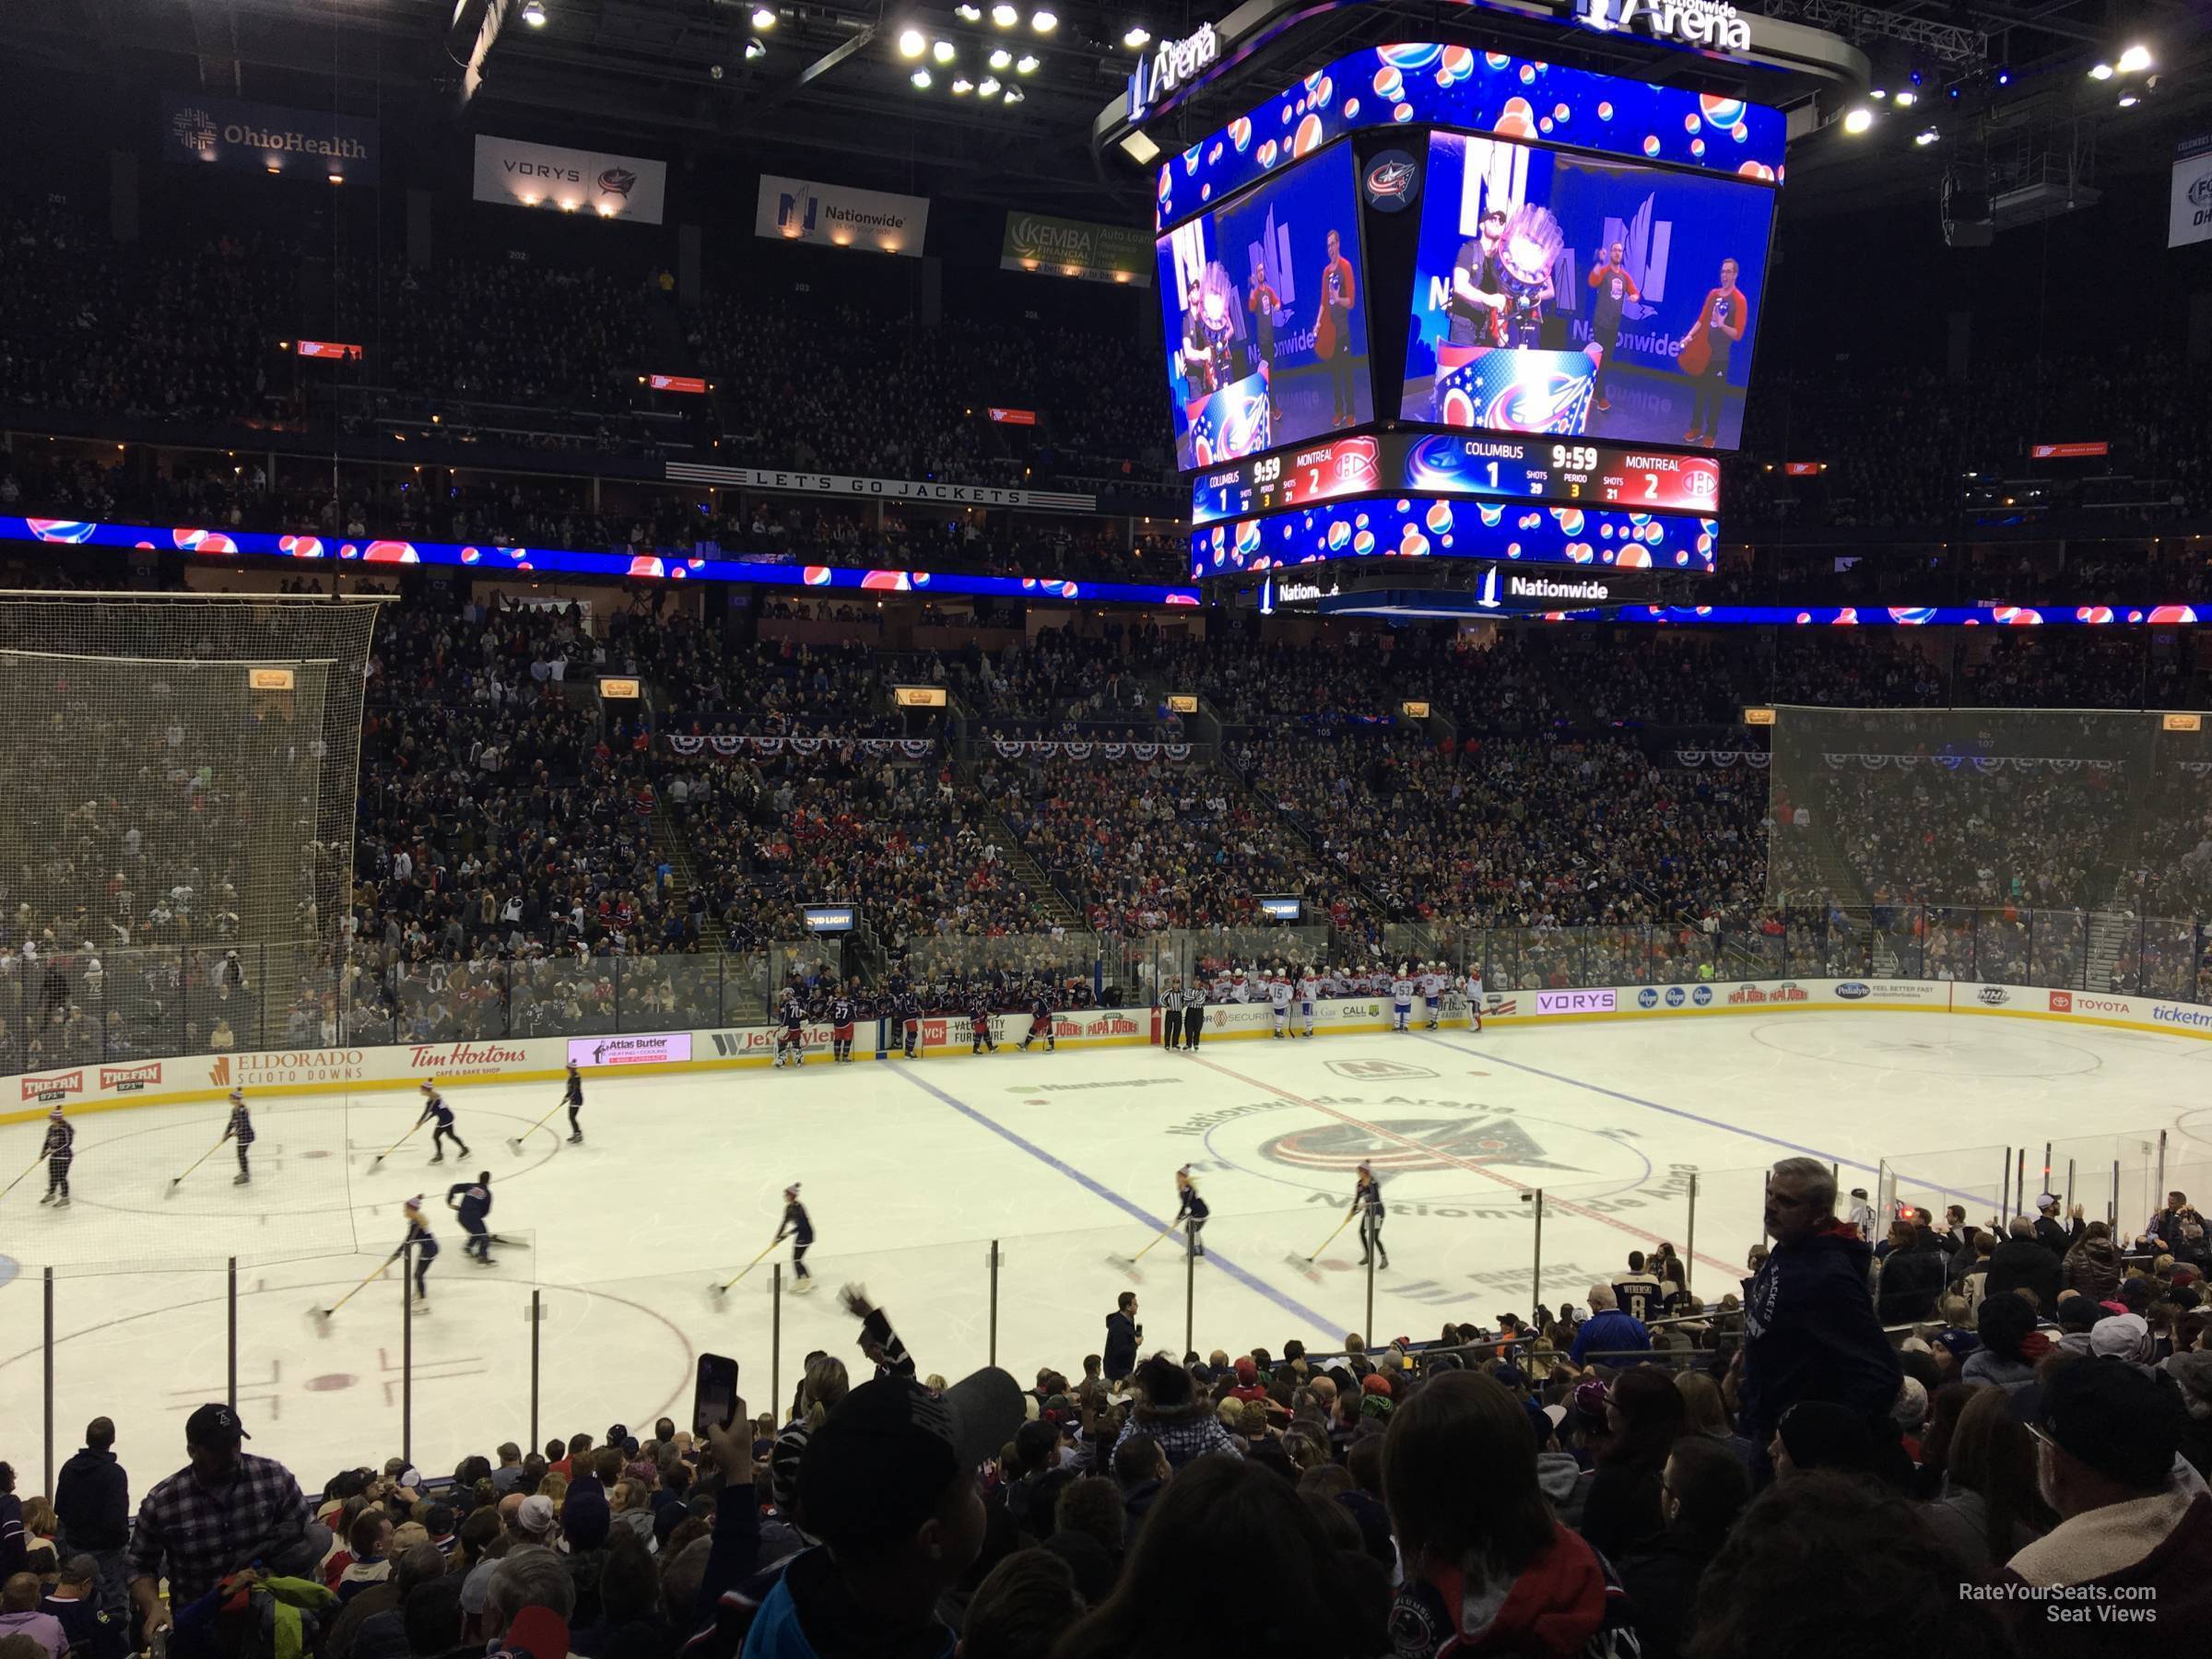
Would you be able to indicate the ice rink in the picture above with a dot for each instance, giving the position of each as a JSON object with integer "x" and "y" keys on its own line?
{"x": 911, "y": 1169}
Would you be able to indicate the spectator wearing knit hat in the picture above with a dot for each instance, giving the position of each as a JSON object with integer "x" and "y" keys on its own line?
{"x": 1172, "y": 1411}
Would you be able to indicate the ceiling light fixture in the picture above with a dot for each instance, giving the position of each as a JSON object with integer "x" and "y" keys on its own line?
{"x": 1013, "y": 95}
{"x": 988, "y": 86}
{"x": 763, "y": 17}
{"x": 2102, "y": 72}
{"x": 920, "y": 79}
{"x": 534, "y": 13}
{"x": 910, "y": 43}
{"x": 942, "y": 51}
{"x": 961, "y": 87}
{"x": 1026, "y": 64}
{"x": 969, "y": 13}
{"x": 1907, "y": 98}
{"x": 754, "y": 48}
{"x": 1137, "y": 38}
{"x": 2135, "y": 60}
{"x": 1926, "y": 137}
{"x": 1001, "y": 59}
{"x": 2128, "y": 100}
{"x": 1044, "y": 22}
{"x": 1005, "y": 16}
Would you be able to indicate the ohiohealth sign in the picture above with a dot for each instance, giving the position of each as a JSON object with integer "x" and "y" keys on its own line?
{"x": 257, "y": 137}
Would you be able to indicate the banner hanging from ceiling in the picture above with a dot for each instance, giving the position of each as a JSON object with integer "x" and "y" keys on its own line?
{"x": 2190, "y": 217}
{"x": 1092, "y": 252}
{"x": 258, "y": 137}
{"x": 571, "y": 181}
{"x": 874, "y": 221}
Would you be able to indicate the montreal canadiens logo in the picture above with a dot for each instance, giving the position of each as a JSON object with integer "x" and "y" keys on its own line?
{"x": 1410, "y": 1146}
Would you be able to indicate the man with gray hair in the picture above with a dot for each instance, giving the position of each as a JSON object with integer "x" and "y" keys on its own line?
{"x": 527, "y": 1578}
{"x": 1809, "y": 1327}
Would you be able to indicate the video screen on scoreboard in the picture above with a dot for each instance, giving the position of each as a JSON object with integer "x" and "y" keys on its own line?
{"x": 1264, "y": 304}
{"x": 1568, "y": 294}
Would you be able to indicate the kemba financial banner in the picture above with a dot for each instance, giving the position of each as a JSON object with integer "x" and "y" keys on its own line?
{"x": 257, "y": 138}
{"x": 874, "y": 221}
{"x": 571, "y": 181}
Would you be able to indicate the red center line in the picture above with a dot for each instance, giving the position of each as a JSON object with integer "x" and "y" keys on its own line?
{"x": 1483, "y": 1170}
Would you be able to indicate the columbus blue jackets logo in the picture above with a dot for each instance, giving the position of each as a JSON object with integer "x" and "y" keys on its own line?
{"x": 618, "y": 181}
{"x": 1409, "y": 1146}
{"x": 1392, "y": 182}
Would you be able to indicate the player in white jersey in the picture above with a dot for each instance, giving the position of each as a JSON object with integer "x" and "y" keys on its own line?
{"x": 1239, "y": 988}
{"x": 1225, "y": 985}
{"x": 1432, "y": 985}
{"x": 1470, "y": 987}
{"x": 1401, "y": 999}
{"x": 1307, "y": 991}
{"x": 1279, "y": 999}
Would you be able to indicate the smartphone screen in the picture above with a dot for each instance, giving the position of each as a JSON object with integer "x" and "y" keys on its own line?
{"x": 715, "y": 1397}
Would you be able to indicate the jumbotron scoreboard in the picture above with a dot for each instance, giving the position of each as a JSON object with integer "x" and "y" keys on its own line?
{"x": 1435, "y": 302}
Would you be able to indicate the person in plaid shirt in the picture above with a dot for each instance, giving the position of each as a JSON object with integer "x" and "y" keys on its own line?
{"x": 226, "y": 1511}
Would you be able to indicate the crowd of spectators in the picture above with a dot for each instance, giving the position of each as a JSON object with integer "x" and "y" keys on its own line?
{"x": 1948, "y": 1431}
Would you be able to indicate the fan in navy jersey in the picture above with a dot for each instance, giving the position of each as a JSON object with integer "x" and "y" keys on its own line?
{"x": 1638, "y": 1293}
{"x": 799, "y": 1229}
{"x": 473, "y": 1199}
{"x": 435, "y": 1108}
{"x": 60, "y": 1148}
{"x": 1191, "y": 1210}
{"x": 1040, "y": 1019}
{"x": 840, "y": 1027}
{"x": 240, "y": 1129}
{"x": 426, "y": 1247}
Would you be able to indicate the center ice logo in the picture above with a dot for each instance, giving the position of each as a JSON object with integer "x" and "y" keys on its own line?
{"x": 1408, "y": 1145}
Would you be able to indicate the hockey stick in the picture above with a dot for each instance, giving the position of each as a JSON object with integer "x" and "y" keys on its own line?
{"x": 320, "y": 1317}
{"x": 396, "y": 1146}
{"x": 170, "y": 1192}
{"x": 1128, "y": 1263}
{"x": 1305, "y": 1263}
{"x": 514, "y": 1142}
{"x": 18, "y": 1181}
{"x": 723, "y": 1289}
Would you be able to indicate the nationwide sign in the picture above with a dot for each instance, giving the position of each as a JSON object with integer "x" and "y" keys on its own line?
{"x": 1711, "y": 25}
{"x": 876, "y": 490}
{"x": 571, "y": 181}
{"x": 840, "y": 217}
{"x": 1078, "y": 248}
{"x": 1540, "y": 587}
{"x": 258, "y": 137}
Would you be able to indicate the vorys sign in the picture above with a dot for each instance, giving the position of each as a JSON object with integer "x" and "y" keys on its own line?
{"x": 1712, "y": 24}
{"x": 569, "y": 180}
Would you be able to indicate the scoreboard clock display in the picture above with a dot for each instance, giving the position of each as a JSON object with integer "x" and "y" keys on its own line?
{"x": 1572, "y": 471}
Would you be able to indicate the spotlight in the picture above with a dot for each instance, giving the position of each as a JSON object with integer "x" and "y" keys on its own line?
{"x": 763, "y": 17}
{"x": 1044, "y": 22}
{"x": 1005, "y": 16}
{"x": 1026, "y": 64}
{"x": 336, "y": 178}
{"x": 1013, "y": 95}
{"x": 2135, "y": 60}
{"x": 534, "y": 13}
{"x": 1137, "y": 38}
{"x": 1877, "y": 92}
{"x": 969, "y": 13}
{"x": 2128, "y": 100}
{"x": 2003, "y": 76}
{"x": 1858, "y": 121}
{"x": 2102, "y": 72}
{"x": 1926, "y": 137}
{"x": 961, "y": 87}
{"x": 754, "y": 48}
{"x": 988, "y": 86}
{"x": 1907, "y": 98}
{"x": 920, "y": 79}
{"x": 1001, "y": 59}
{"x": 942, "y": 51}
{"x": 910, "y": 43}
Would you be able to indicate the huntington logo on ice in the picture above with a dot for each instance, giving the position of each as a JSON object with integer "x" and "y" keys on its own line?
{"x": 1408, "y": 1145}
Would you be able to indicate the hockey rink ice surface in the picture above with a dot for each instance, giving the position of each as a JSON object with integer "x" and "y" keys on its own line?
{"x": 910, "y": 1168}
